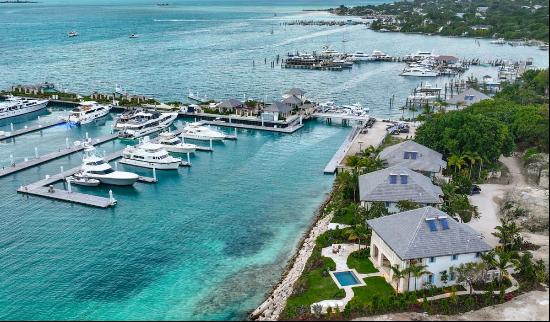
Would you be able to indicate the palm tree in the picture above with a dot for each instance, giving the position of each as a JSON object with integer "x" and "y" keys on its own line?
{"x": 503, "y": 262}
{"x": 507, "y": 233}
{"x": 417, "y": 270}
{"x": 357, "y": 233}
{"x": 398, "y": 274}
{"x": 455, "y": 161}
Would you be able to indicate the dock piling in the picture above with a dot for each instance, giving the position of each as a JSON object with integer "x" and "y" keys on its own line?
{"x": 69, "y": 188}
{"x": 210, "y": 144}
{"x": 188, "y": 158}
{"x": 67, "y": 143}
{"x": 61, "y": 169}
{"x": 87, "y": 136}
{"x": 36, "y": 152}
{"x": 154, "y": 173}
{"x": 236, "y": 132}
{"x": 11, "y": 127}
{"x": 111, "y": 198}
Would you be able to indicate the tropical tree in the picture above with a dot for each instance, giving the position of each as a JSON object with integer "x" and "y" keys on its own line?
{"x": 469, "y": 273}
{"x": 398, "y": 274}
{"x": 405, "y": 205}
{"x": 456, "y": 162}
{"x": 508, "y": 235}
{"x": 357, "y": 234}
{"x": 417, "y": 270}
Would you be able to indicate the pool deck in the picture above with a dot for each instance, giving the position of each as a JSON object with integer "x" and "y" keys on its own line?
{"x": 341, "y": 259}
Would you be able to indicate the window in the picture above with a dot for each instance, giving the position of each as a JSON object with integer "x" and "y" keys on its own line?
{"x": 431, "y": 224}
{"x": 478, "y": 255}
{"x": 414, "y": 155}
{"x": 404, "y": 178}
{"x": 407, "y": 155}
{"x": 431, "y": 279}
{"x": 393, "y": 179}
{"x": 444, "y": 223}
{"x": 455, "y": 257}
{"x": 452, "y": 276}
{"x": 432, "y": 260}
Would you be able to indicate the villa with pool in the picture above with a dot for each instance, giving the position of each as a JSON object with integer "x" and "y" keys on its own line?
{"x": 425, "y": 236}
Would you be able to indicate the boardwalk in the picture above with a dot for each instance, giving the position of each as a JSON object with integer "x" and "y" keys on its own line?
{"x": 288, "y": 130}
{"x": 40, "y": 189}
{"x": 341, "y": 153}
{"x": 52, "y": 156}
{"x": 29, "y": 129}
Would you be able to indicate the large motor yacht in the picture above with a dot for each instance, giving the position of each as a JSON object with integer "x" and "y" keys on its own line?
{"x": 150, "y": 155}
{"x": 197, "y": 131}
{"x": 143, "y": 123}
{"x": 87, "y": 112}
{"x": 95, "y": 167}
{"x": 15, "y": 106}
{"x": 171, "y": 143}
{"x": 419, "y": 72}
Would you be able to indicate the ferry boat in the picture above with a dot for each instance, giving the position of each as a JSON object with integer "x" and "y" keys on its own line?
{"x": 142, "y": 123}
{"x": 87, "y": 112}
{"x": 15, "y": 106}
{"x": 150, "y": 155}
{"x": 419, "y": 72}
{"x": 72, "y": 34}
{"x": 360, "y": 56}
{"x": 95, "y": 167}
{"x": 197, "y": 131}
{"x": 171, "y": 143}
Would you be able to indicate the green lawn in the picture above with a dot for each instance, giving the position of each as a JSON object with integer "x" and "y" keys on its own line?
{"x": 376, "y": 286}
{"x": 311, "y": 287}
{"x": 361, "y": 265}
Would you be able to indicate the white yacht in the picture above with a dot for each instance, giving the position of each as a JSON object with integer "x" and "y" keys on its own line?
{"x": 143, "y": 123}
{"x": 419, "y": 72}
{"x": 72, "y": 34}
{"x": 422, "y": 97}
{"x": 171, "y": 143}
{"x": 133, "y": 36}
{"x": 359, "y": 56}
{"x": 378, "y": 55}
{"x": 150, "y": 155}
{"x": 197, "y": 131}
{"x": 499, "y": 41}
{"x": 327, "y": 52}
{"x": 86, "y": 112}
{"x": 95, "y": 167}
{"x": 15, "y": 106}
{"x": 356, "y": 109}
{"x": 421, "y": 55}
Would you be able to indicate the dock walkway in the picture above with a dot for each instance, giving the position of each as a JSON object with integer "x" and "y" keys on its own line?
{"x": 342, "y": 152}
{"x": 51, "y": 156}
{"x": 29, "y": 129}
{"x": 40, "y": 189}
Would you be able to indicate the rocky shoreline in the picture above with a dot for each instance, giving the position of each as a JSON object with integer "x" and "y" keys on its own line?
{"x": 271, "y": 308}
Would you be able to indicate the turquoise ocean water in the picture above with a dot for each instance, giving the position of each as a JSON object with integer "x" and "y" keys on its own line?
{"x": 209, "y": 241}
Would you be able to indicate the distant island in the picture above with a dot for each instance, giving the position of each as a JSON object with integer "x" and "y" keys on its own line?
{"x": 508, "y": 19}
{"x": 18, "y": 1}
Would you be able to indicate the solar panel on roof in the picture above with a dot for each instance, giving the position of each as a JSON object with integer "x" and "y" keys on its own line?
{"x": 431, "y": 224}
{"x": 444, "y": 223}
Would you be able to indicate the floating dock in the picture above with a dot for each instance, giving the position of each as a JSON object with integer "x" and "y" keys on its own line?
{"x": 289, "y": 126}
{"x": 341, "y": 153}
{"x": 52, "y": 156}
{"x": 40, "y": 189}
{"x": 29, "y": 129}
{"x": 288, "y": 129}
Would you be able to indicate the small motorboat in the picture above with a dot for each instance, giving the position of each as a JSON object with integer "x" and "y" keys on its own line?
{"x": 83, "y": 181}
{"x": 133, "y": 36}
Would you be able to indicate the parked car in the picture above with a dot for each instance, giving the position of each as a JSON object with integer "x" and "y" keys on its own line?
{"x": 475, "y": 190}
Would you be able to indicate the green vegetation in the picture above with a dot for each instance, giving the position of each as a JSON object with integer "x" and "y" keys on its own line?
{"x": 509, "y": 19}
{"x": 361, "y": 262}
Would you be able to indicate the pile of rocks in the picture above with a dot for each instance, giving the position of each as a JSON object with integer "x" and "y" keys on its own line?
{"x": 271, "y": 309}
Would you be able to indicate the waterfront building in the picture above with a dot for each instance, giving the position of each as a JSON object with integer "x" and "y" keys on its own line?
{"x": 231, "y": 105}
{"x": 425, "y": 236}
{"x": 467, "y": 98}
{"x": 414, "y": 156}
{"x": 398, "y": 183}
{"x": 299, "y": 93}
{"x": 278, "y": 109}
{"x": 44, "y": 88}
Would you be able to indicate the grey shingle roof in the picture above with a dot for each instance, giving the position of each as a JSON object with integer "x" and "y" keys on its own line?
{"x": 427, "y": 159}
{"x": 410, "y": 237}
{"x": 230, "y": 103}
{"x": 292, "y": 100}
{"x": 461, "y": 98}
{"x": 375, "y": 186}
{"x": 278, "y": 107}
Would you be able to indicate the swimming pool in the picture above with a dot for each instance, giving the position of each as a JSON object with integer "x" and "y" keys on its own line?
{"x": 347, "y": 278}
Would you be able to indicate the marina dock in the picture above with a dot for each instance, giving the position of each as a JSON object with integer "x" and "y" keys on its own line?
{"x": 52, "y": 156}
{"x": 289, "y": 126}
{"x": 288, "y": 130}
{"x": 339, "y": 156}
{"x": 40, "y": 189}
{"x": 29, "y": 129}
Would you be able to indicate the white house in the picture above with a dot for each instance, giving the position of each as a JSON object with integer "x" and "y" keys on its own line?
{"x": 414, "y": 156}
{"x": 397, "y": 183}
{"x": 426, "y": 236}
{"x": 467, "y": 98}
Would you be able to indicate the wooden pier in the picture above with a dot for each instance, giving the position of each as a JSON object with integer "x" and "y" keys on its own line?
{"x": 29, "y": 129}
{"x": 52, "y": 156}
{"x": 342, "y": 152}
{"x": 41, "y": 188}
{"x": 288, "y": 129}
